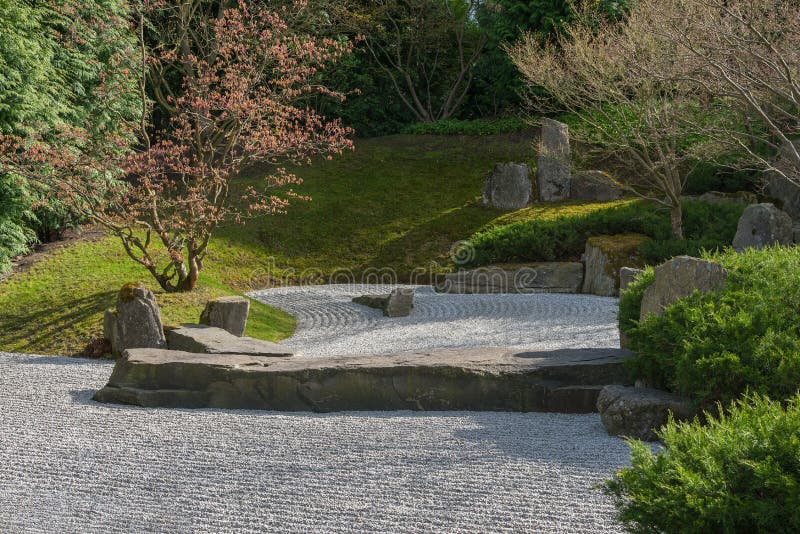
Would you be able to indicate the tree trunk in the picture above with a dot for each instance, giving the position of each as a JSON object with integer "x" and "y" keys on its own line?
{"x": 676, "y": 220}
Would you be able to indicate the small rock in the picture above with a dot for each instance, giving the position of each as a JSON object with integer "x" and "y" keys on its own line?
{"x": 595, "y": 186}
{"x": 508, "y": 186}
{"x": 678, "y": 278}
{"x": 228, "y": 313}
{"x": 212, "y": 340}
{"x": 628, "y": 275}
{"x": 553, "y": 171}
{"x": 762, "y": 225}
{"x": 638, "y": 412}
{"x": 138, "y": 320}
{"x": 398, "y": 303}
{"x": 604, "y": 257}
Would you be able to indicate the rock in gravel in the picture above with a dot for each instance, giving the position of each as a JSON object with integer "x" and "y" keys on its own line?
{"x": 136, "y": 323}
{"x": 638, "y": 412}
{"x": 508, "y": 186}
{"x": 551, "y": 277}
{"x": 597, "y": 186}
{"x": 398, "y": 303}
{"x": 762, "y": 225}
{"x": 628, "y": 275}
{"x": 553, "y": 172}
{"x": 212, "y": 340}
{"x": 604, "y": 257}
{"x": 493, "y": 379}
{"x": 678, "y": 278}
{"x": 228, "y": 313}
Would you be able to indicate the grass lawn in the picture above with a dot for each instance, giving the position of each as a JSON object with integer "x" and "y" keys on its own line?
{"x": 397, "y": 202}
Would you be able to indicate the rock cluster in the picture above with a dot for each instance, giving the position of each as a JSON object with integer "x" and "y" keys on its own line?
{"x": 398, "y": 303}
{"x": 508, "y": 186}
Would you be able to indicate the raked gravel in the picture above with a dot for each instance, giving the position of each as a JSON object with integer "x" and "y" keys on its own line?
{"x": 328, "y": 323}
{"x": 68, "y": 464}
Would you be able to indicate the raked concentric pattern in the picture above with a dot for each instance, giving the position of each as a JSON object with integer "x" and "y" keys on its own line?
{"x": 328, "y": 323}
{"x": 68, "y": 464}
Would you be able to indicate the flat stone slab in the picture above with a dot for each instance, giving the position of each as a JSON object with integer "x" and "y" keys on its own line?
{"x": 485, "y": 379}
{"x": 212, "y": 340}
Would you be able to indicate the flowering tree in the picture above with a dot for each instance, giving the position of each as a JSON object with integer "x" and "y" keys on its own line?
{"x": 227, "y": 86}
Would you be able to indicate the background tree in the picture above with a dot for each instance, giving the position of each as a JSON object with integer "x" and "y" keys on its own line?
{"x": 428, "y": 50}
{"x": 240, "y": 71}
{"x": 627, "y": 95}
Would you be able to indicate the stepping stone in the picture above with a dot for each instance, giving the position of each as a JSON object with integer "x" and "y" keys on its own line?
{"x": 212, "y": 340}
{"x": 485, "y": 379}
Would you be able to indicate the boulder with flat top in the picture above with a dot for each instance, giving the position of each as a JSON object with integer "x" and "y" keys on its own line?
{"x": 228, "y": 313}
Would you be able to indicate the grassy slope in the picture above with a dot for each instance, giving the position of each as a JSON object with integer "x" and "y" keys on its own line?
{"x": 397, "y": 202}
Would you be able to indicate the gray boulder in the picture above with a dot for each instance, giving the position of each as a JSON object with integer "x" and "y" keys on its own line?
{"x": 553, "y": 172}
{"x": 212, "y": 340}
{"x": 604, "y": 257}
{"x": 136, "y": 323}
{"x": 628, "y": 275}
{"x": 398, "y": 303}
{"x": 228, "y": 313}
{"x": 678, "y": 278}
{"x": 638, "y": 412}
{"x": 595, "y": 186}
{"x": 508, "y": 186}
{"x": 762, "y": 225}
{"x": 785, "y": 193}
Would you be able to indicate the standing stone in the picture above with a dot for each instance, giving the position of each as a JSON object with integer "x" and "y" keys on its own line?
{"x": 628, "y": 275}
{"x": 605, "y": 255}
{"x": 762, "y": 225}
{"x": 596, "y": 186}
{"x": 508, "y": 186}
{"x": 678, "y": 278}
{"x": 400, "y": 303}
{"x": 638, "y": 412}
{"x": 228, "y": 313}
{"x": 553, "y": 174}
{"x": 138, "y": 321}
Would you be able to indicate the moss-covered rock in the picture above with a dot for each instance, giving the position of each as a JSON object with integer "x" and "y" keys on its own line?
{"x": 604, "y": 257}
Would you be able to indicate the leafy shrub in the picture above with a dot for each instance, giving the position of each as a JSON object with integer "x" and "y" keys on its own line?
{"x": 739, "y": 472}
{"x": 15, "y": 219}
{"x": 467, "y": 127}
{"x": 630, "y": 301}
{"x": 706, "y": 226}
{"x": 714, "y": 347}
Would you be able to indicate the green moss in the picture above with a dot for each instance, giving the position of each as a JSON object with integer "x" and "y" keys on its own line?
{"x": 128, "y": 291}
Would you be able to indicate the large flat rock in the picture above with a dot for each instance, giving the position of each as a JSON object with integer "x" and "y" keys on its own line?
{"x": 212, "y": 340}
{"x": 485, "y": 379}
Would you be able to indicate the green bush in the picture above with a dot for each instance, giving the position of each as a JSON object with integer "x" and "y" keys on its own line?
{"x": 714, "y": 347}
{"x": 630, "y": 301}
{"x": 467, "y": 127}
{"x": 706, "y": 227}
{"x": 738, "y": 472}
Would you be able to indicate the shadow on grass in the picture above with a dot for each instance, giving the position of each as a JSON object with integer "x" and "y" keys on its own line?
{"x": 36, "y": 324}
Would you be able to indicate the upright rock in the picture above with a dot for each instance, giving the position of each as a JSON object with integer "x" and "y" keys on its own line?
{"x": 678, "y": 278}
{"x": 508, "y": 186}
{"x": 628, "y": 275}
{"x": 553, "y": 173}
{"x": 596, "y": 186}
{"x": 228, "y": 313}
{"x": 136, "y": 322}
{"x": 638, "y": 412}
{"x": 605, "y": 255}
{"x": 762, "y": 225}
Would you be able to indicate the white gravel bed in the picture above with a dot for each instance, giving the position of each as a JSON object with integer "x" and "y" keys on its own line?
{"x": 328, "y": 323}
{"x": 68, "y": 464}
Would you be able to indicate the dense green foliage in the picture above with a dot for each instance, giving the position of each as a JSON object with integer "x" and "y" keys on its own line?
{"x": 745, "y": 336}
{"x": 706, "y": 226}
{"x": 467, "y": 127}
{"x": 45, "y": 84}
{"x": 630, "y": 300}
{"x": 738, "y": 472}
